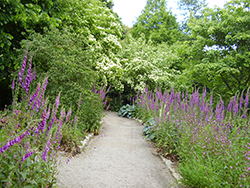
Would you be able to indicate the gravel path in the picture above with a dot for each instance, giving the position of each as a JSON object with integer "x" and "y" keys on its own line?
{"x": 118, "y": 157}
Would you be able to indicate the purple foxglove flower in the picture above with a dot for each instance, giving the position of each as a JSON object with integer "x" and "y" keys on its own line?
{"x": 57, "y": 100}
{"x": 172, "y": 94}
{"x": 93, "y": 88}
{"x": 105, "y": 102}
{"x": 179, "y": 96}
{"x": 186, "y": 94}
{"x": 102, "y": 95}
{"x": 222, "y": 105}
{"x": 52, "y": 121}
{"x": 244, "y": 115}
{"x": 44, "y": 156}
{"x": 23, "y": 68}
{"x": 211, "y": 99}
{"x": 241, "y": 100}
{"x": 48, "y": 113}
{"x": 14, "y": 141}
{"x": 108, "y": 106}
{"x": 68, "y": 114}
{"x": 142, "y": 96}
{"x": 108, "y": 89}
{"x": 230, "y": 105}
{"x": 41, "y": 94}
{"x": 5, "y": 147}
{"x": 75, "y": 119}
{"x": 80, "y": 102}
{"x": 62, "y": 114}
{"x": 13, "y": 84}
{"x": 28, "y": 79}
{"x": 26, "y": 156}
{"x": 236, "y": 108}
{"x": 34, "y": 96}
{"x": 247, "y": 98}
{"x": 42, "y": 124}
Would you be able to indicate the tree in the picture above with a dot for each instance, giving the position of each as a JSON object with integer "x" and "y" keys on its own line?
{"x": 108, "y": 3}
{"x": 221, "y": 57}
{"x": 158, "y": 23}
{"x": 17, "y": 19}
{"x": 190, "y": 7}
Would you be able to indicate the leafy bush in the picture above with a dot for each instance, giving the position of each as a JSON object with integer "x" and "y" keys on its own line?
{"x": 127, "y": 111}
{"x": 32, "y": 131}
{"x": 149, "y": 130}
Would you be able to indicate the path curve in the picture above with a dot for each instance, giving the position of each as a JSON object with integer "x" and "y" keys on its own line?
{"x": 118, "y": 157}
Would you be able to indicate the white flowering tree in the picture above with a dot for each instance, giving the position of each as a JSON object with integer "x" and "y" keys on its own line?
{"x": 146, "y": 65}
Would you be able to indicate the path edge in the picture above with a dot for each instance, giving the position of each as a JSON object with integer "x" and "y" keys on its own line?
{"x": 166, "y": 161}
{"x": 86, "y": 141}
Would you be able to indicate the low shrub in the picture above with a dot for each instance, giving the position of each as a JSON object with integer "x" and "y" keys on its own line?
{"x": 127, "y": 111}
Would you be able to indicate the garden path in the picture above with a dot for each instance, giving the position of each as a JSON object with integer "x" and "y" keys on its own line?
{"x": 117, "y": 157}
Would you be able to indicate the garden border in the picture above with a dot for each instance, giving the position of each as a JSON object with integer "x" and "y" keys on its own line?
{"x": 169, "y": 164}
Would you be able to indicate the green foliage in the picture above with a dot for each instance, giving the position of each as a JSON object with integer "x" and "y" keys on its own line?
{"x": 157, "y": 24}
{"x": 192, "y": 6}
{"x": 212, "y": 146}
{"x": 149, "y": 129}
{"x": 127, "y": 111}
{"x": 145, "y": 65}
{"x": 108, "y": 3}
{"x": 17, "y": 20}
{"x": 34, "y": 171}
{"x": 221, "y": 50}
{"x": 90, "y": 114}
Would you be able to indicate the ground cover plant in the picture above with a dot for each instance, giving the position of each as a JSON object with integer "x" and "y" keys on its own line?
{"x": 212, "y": 144}
{"x": 33, "y": 129}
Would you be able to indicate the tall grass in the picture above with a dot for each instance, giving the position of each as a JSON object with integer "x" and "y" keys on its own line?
{"x": 213, "y": 145}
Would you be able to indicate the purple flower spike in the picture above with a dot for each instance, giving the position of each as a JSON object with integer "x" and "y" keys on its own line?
{"x": 211, "y": 99}
{"x": 44, "y": 156}
{"x": 28, "y": 79}
{"x": 80, "y": 102}
{"x": 93, "y": 88}
{"x": 108, "y": 89}
{"x": 23, "y": 68}
{"x": 27, "y": 155}
{"x": 13, "y": 84}
{"x": 57, "y": 100}
{"x": 230, "y": 105}
{"x": 5, "y": 147}
{"x": 247, "y": 99}
{"x": 41, "y": 95}
{"x": 108, "y": 106}
{"x": 34, "y": 96}
{"x": 241, "y": 100}
{"x": 42, "y": 124}
{"x": 68, "y": 114}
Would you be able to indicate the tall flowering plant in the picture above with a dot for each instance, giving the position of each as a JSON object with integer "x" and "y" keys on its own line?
{"x": 30, "y": 133}
{"x": 211, "y": 143}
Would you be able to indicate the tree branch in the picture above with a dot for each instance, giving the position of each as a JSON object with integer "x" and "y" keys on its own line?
{"x": 224, "y": 80}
